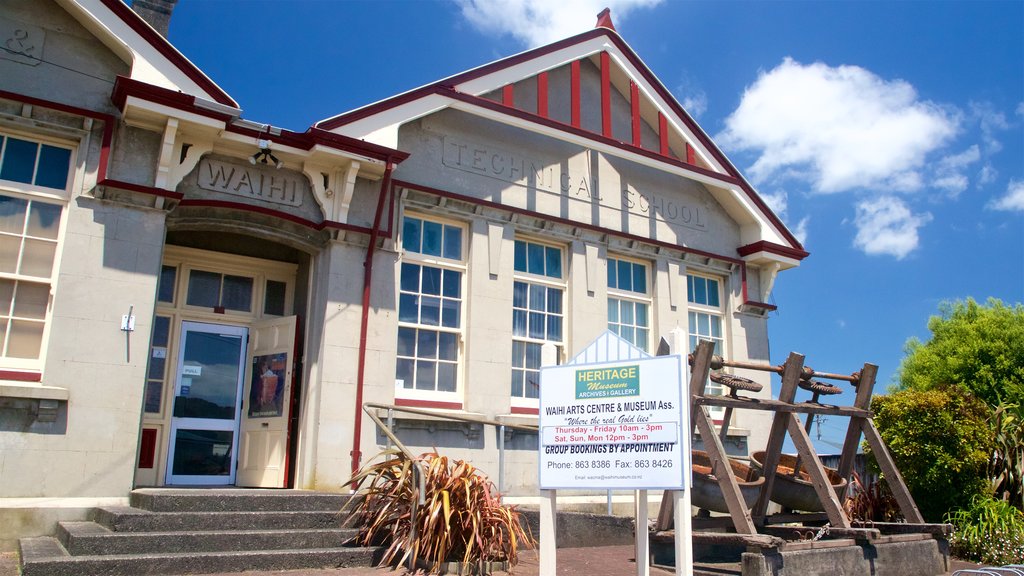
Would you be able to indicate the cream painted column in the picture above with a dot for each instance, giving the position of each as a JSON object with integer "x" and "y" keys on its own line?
{"x": 588, "y": 294}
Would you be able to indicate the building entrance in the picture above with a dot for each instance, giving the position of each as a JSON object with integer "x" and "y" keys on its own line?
{"x": 206, "y": 409}
{"x": 220, "y": 387}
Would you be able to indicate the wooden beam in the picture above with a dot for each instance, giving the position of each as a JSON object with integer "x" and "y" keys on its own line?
{"x": 790, "y": 376}
{"x": 741, "y": 519}
{"x": 819, "y": 478}
{"x": 767, "y": 404}
{"x": 865, "y": 387}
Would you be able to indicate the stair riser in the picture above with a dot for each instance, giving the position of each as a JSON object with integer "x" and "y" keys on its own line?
{"x": 201, "y": 564}
{"x": 200, "y": 521}
{"x": 142, "y": 543}
{"x": 238, "y": 502}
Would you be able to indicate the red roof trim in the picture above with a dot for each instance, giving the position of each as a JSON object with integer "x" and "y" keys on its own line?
{"x": 125, "y": 87}
{"x": 524, "y": 410}
{"x": 772, "y": 248}
{"x": 253, "y": 208}
{"x": 141, "y": 188}
{"x": 137, "y": 24}
{"x": 343, "y": 119}
{"x": 754, "y": 304}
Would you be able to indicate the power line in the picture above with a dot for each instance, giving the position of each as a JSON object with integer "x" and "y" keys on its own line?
{"x": 38, "y": 59}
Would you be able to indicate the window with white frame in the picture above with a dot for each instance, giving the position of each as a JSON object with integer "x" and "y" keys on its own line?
{"x": 629, "y": 301}
{"x": 34, "y": 178}
{"x": 706, "y": 317}
{"x": 538, "y": 315}
{"x": 430, "y": 327}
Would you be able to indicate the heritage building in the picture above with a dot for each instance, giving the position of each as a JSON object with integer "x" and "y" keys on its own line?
{"x": 188, "y": 297}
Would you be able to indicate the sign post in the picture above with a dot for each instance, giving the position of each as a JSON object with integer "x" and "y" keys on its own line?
{"x": 614, "y": 425}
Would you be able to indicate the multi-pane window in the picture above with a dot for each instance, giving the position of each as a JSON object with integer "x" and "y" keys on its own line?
{"x": 538, "y": 316}
{"x": 705, "y": 317}
{"x": 29, "y": 229}
{"x": 429, "y": 306}
{"x": 629, "y": 302}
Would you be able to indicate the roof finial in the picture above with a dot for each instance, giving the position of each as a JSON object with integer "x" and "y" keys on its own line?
{"x": 604, "y": 19}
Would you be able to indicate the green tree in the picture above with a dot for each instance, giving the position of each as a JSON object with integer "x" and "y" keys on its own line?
{"x": 979, "y": 347}
{"x": 941, "y": 442}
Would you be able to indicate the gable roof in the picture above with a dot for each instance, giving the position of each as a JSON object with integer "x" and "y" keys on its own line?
{"x": 608, "y": 347}
{"x": 701, "y": 160}
{"x": 152, "y": 58}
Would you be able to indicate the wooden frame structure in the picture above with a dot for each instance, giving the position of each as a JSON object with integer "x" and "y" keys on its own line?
{"x": 755, "y": 524}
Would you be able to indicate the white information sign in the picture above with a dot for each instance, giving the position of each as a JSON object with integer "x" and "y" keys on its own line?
{"x": 615, "y": 425}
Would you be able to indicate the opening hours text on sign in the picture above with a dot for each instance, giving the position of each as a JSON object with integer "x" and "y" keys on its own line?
{"x": 615, "y": 425}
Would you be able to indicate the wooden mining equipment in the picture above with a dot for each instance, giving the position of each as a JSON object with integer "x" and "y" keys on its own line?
{"x": 749, "y": 541}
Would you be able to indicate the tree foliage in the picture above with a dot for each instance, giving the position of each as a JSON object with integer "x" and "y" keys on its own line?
{"x": 941, "y": 442}
{"x": 977, "y": 346}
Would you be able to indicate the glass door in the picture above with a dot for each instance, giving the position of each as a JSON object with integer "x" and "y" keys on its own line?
{"x": 204, "y": 423}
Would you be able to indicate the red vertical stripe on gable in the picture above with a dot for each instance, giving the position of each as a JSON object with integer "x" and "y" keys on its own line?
{"x": 691, "y": 156}
{"x": 606, "y": 95}
{"x": 574, "y": 92}
{"x": 663, "y": 133}
{"x": 542, "y": 94}
{"x": 634, "y": 100}
{"x": 508, "y": 96}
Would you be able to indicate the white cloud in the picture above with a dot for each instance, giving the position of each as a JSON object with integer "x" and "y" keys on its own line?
{"x": 991, "y": 122}
{"x": 839, "y": 128}
{"x": 777, "y": 201}
{"x": 539, "y": 22}
{"x": 987, "y": 174}
{"x": 949, "y": 171}
{"x": 886, "y": 226}
{"x": 695, "y": 103}
{"x": 801, "y": 230}
{"x": 1020, "y": 109}
{"x": 1013, "y": 200}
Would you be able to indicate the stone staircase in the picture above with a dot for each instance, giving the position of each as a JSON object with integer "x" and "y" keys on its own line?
{"x": 200, "y": 531}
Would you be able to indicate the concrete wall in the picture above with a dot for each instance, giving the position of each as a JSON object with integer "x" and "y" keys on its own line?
{"x": 107, "y": 264}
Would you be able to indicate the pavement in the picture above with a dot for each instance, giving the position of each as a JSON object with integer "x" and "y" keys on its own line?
{"x": 603, "y": 561}
{"x": 600, "y": 561}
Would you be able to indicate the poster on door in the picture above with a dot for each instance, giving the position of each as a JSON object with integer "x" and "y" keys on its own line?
{"x": 266, "y": 394}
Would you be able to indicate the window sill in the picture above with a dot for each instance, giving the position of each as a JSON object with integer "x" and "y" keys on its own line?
{"x": 519, "y": 419}
{"x": 10, "y": 389}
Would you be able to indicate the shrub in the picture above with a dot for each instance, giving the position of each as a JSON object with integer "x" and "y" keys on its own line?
{"x": 872, "y": 503}
{"x": 989, "y": 531}
{"x": 1006, "y": 469}
{"x": 941, "y": 443}
{"x": 462, "y": 519}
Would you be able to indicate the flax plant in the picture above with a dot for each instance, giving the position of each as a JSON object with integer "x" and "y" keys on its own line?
{"x": 462, "y": 519}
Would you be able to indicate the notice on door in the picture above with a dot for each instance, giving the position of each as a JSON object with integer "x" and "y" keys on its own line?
{"x": 266, "y": 394}
{"x": 613, "y": 425}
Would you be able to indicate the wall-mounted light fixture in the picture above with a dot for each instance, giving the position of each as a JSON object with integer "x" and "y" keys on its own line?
{"x": 265, "y": 156}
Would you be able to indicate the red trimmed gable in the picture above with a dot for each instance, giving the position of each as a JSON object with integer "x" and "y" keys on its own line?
{"x": 623, "y": 76}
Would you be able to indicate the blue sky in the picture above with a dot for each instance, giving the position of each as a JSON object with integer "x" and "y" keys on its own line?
{"x": 887, "y": 135}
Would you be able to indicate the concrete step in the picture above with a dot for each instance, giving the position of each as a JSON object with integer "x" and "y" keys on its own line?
{"x": 46, "y": 557}
{"x": 89, "y": 538}
{"x": 235, "y": 500}
{"x": 128, "y": 519}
